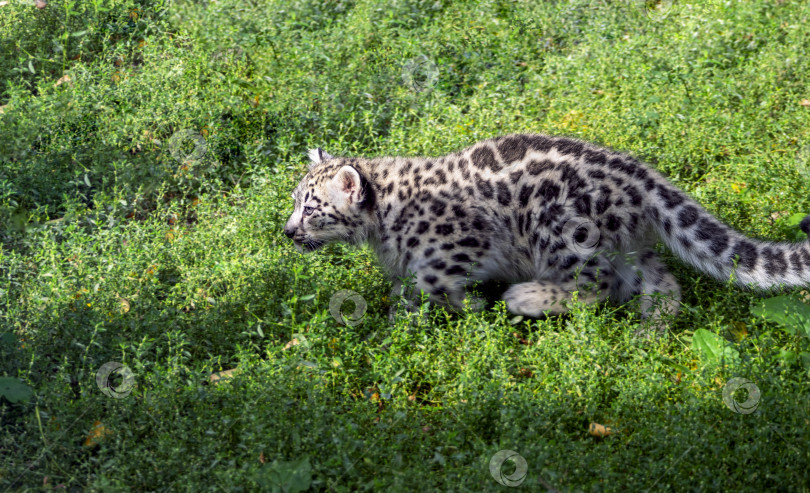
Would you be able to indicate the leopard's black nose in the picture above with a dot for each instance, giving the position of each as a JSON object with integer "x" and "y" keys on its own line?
{"x": 289, "y": 232}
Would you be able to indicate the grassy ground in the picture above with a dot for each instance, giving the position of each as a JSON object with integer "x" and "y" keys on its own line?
{"x": 147, "y": 155}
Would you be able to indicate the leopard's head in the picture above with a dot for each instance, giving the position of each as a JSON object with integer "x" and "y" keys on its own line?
{"x": 333, "y": 202}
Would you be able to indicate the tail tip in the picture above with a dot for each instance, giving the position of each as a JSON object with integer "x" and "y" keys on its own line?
{"x": 805, "y": 225}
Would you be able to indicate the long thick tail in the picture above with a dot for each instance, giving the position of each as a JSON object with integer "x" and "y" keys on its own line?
{"x": 701, "y": 240}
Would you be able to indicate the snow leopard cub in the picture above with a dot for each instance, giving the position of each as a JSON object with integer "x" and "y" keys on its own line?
{"x": 549, "y": 215}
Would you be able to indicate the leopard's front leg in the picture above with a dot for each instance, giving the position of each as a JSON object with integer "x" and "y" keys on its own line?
{"x": 447, "y": 290}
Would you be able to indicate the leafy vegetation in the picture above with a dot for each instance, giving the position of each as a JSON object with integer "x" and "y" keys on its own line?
{"x": 147, "y": 156}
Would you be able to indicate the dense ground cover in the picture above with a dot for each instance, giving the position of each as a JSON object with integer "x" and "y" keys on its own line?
{"x": 147, "y": 154}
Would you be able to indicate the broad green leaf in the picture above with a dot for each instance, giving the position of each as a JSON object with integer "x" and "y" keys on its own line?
{"x": 795, "y": 219}
{"x": 712, "y": 347}
{"x": 792, "y": 314}
{"x": 14, "y": 390}
{"x": 789, "y": 357}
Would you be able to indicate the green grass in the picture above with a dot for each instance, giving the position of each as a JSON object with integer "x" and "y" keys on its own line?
{"x": 113, "y": 249}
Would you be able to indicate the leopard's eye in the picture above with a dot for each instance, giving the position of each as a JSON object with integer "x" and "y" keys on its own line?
{"x": 308, "y": 210}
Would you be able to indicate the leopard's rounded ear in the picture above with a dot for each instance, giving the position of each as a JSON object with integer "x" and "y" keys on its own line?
{"x": 317, "y": 156}
{"x": 347, "y": 186}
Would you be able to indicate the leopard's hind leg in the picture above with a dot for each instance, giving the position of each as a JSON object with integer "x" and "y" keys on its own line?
{"x": 643, "y": 274}
{"x": 661, "y": 293}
